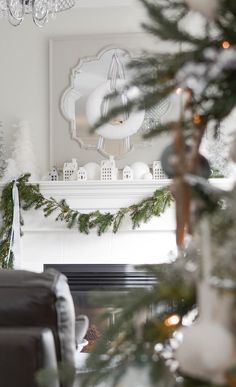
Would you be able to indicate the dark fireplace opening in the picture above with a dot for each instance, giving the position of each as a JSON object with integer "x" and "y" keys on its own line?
{"x": 94, "y": 288}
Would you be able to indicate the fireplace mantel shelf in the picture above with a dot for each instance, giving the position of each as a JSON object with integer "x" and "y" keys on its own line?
{"x": 102, "y": 189}
{"x": 107, "y": 195}
{"x": 46, "y": 241}
{"x": 118, "y": 188}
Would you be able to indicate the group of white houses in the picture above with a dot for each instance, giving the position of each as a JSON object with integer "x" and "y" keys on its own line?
{"x": 71, "y": 171}
{"x": 109, "y": 171}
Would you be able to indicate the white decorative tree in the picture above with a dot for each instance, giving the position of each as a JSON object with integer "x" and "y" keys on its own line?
{"x": 2, "y": 158}
{"x": 23, "y": 156}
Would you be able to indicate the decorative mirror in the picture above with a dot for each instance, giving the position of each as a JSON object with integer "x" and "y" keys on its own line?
{"x": 82, "y": 70}
{"x": 83, "y": 103}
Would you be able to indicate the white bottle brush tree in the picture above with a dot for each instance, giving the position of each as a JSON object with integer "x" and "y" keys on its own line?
{"x": 23, "y": 156}
{"x": 2, "y": 157}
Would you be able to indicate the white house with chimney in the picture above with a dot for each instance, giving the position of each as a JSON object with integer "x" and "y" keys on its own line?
{"x": 70, "y": 170}
{"x": 157, "y": 171}
{"x": 108, "y": 169}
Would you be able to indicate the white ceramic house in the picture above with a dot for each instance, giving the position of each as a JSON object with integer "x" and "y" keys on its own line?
{"x": 82, "y": 174}
{"x": 70, "y": 169}
{"x": 158, "y": 172}
{"x": 53, "y": 175}
{"x": 108, "y": 169}
{"x": 128, "y": 173}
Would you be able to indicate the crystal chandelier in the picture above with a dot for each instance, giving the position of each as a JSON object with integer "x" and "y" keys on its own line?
{"x": 15, "y": 10}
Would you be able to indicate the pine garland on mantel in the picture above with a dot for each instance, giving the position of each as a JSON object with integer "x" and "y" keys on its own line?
{"x": 31, "y": 197}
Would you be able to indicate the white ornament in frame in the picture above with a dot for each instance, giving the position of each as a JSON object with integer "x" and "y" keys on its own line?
{"x": 128, "y": 173}
{"x": 82, "y": 174}
{"x": 108, "y": 169}
{"x": 69, "y": 170}
{"x": 157, "y": 170}
{"x": 127, "y": 127}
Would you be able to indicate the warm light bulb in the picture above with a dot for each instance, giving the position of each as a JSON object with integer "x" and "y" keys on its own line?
{"x": 197, "y": 119}
{"x": 172, "y": 320}
{"x": 225, "y": 44}
{"x": 179, "y": 90}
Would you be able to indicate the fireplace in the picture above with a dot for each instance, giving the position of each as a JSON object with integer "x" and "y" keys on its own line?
{"x": 93, "y": 288}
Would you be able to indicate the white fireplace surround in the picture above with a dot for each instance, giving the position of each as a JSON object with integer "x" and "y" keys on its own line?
{"x": 48, "y": 242}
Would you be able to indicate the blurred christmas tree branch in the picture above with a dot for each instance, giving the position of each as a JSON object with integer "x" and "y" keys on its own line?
{"x": 203, "y": 64}
{"x": 134, "y": 345}
{"x": 196, "y": 62}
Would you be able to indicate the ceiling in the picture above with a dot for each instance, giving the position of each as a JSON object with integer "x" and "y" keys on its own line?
{"x": 105, "y": 3}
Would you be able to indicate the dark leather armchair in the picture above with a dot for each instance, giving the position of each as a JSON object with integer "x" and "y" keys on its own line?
{"x": 37, "y": 325}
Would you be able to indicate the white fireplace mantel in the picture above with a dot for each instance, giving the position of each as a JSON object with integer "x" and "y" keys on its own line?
{"x": 91, "y": 196}
{"x": 48, "y": 242}
{"x": 101, "y": 194}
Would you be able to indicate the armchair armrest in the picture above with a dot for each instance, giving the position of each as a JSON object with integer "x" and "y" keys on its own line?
{"x": 24, "y": 351}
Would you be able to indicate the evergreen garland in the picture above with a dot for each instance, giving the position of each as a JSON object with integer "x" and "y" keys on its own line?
{"x": 31, "y": 197}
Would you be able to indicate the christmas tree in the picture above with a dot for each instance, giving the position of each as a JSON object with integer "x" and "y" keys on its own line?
{"x": 181, "y": 332}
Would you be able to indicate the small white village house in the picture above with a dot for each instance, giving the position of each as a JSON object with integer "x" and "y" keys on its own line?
{"x": 108, "y": 169}
{"x": 128, "y": 173}
{"x": 157, "y": 170}
{"x": 82, "y": 174}
{"x": 70, "y": 169}
{"x": 53, "y": 175}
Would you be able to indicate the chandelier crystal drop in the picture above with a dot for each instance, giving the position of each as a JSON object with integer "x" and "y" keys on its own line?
{"x": 15, "y": 10}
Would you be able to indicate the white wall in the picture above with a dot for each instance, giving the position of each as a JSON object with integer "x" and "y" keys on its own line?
{"x": 24, "y": 64}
